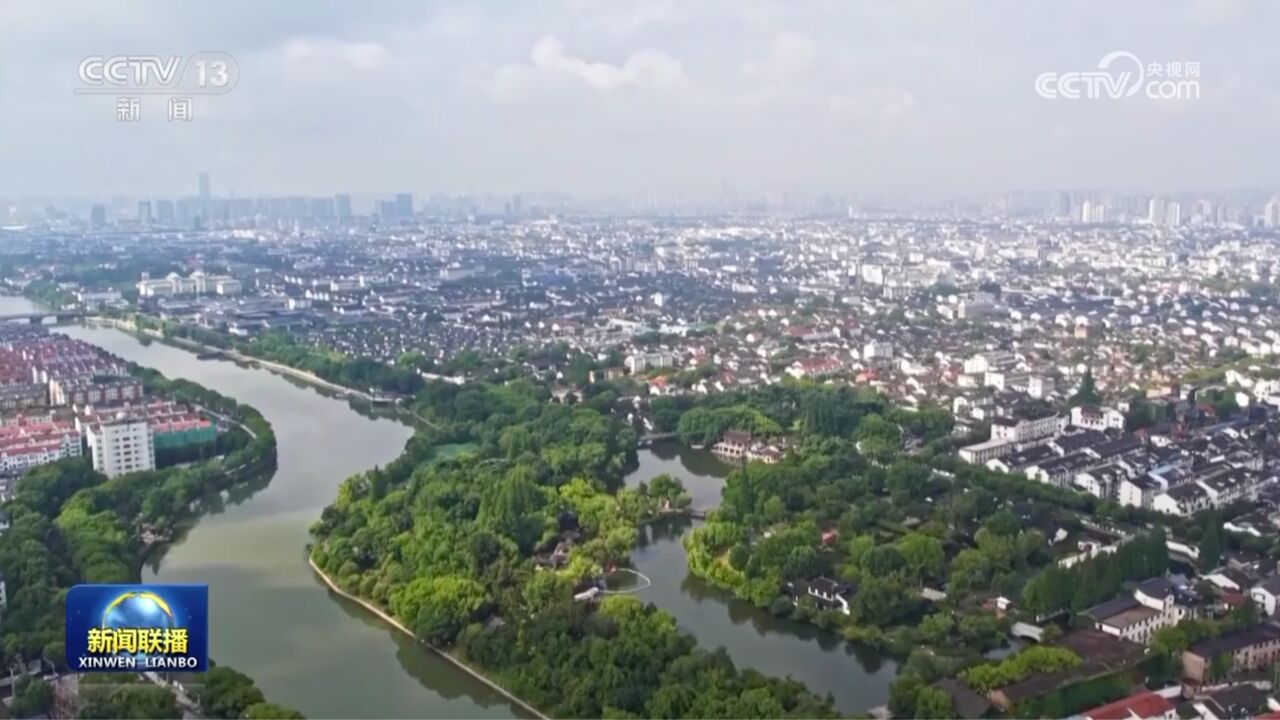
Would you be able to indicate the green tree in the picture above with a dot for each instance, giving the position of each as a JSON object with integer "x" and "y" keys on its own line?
{"x": 438, "y": 608}
{"x": 883, "y": 561}
{"x": 908, "y": 480}
{"x": 936, "y": 627}
{"x": 1210, "y": 543}
{"x": 970, "y": 570}
{"x": 225, "y": 693}
{"x": 1087, "y": 393}
{"x": 924, "y": 555}
{"x": 135, "y": 701}
{"x": 511, "y": 507}
{"x": 546, "y": 589}
{"x": 933, "y": 703}
{"x": 1088, "y": 586}
{"x": 32, "y": 696}
{"x": 1049, "y": 591}
{"x": 903, "y": 694}
{"x": 819, "y": 415}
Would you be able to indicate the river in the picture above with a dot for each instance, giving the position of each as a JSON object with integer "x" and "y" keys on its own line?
{"x": 858, "y": 678}
{"x": 307, "y": 648}
{"x": 269, "y": 616}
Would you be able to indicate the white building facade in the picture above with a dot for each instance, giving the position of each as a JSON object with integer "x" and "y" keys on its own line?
{"x": 122, "y": 445}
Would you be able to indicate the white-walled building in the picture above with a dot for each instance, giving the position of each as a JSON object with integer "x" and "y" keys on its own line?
{"x": 1026, "y": 429}
{"x": 198, "y": 284}
{"x": 121, "y": 445}
{"x": 26, "y": 443}
{"x": 1267, "y": 594}
{"x": 643, "y": 362}
{"x": 1153, "y": 605}
{"x": 1095, "y": 418}
{"x": 877, "y": 350}
{"x": 1141, "y": 491}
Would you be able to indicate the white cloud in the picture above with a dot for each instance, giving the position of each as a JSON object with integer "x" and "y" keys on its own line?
{"x": 643, "y": 68}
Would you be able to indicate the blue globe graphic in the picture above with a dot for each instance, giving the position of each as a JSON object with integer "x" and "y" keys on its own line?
{"x": 138, "y": 610}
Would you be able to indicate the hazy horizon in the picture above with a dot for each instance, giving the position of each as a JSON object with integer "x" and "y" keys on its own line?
{"x": 655, "y": 98}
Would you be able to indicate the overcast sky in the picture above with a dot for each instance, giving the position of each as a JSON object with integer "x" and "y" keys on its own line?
{"x": 649, "y": 97}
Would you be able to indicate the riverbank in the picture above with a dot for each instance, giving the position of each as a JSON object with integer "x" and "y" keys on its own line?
{"x": 305, "y": 376}
{"x": 226, "y": 472}
{"x": 387, "y": 618}
{"x": 275, "y": 621}
{"x": 857, "y": 676}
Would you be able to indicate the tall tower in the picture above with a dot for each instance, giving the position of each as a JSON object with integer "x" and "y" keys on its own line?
{"x": 1156, "y": 211}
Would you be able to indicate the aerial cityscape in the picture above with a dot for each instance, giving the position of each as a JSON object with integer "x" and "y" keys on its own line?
{"x": 959, "y": 420}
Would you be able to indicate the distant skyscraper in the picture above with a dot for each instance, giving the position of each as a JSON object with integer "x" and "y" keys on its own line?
{"x": 404, "y": 205}
{"x": 144, "y": 213}
{"x": 343, "y": 204}
{"x": 1271, "y": 213}
{"x": 1064, "y": 204}
{"x": 1086, "y": 211}
{"x": 205, "y": 189}
{"x": 1173, "y": 214}
{"x": 98, "y": 216}
{"x": 164, "y": 212}
{"x": 1156, "y": 212}
{"x": 517, "y": 206}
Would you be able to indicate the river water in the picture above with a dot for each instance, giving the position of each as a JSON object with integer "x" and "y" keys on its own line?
{"x": 858, "y": 678}
{"x": 307, "y": 648}
{"x": 270, "y": 616}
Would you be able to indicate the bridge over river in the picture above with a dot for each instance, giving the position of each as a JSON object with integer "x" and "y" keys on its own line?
{"x": 51, "y": 317}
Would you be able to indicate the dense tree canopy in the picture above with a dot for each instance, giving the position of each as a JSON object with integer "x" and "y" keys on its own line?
{"x": 448, "y": 544}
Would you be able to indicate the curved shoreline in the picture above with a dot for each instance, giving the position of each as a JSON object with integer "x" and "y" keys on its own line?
{"x": 380, "y": 613}
{"x": 233, "y": 354}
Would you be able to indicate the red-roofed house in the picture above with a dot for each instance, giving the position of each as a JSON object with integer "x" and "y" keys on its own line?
{"x": 1142, "y": 706}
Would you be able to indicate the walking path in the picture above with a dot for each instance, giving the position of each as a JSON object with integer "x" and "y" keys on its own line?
{"x": 229, "y": 420}
{"x": 438, "y": 651}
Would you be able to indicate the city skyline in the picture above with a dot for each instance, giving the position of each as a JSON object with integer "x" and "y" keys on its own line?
{"x": 897, "y": 100}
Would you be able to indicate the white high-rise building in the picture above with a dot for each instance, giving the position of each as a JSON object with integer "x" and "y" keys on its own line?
{"x": 1173, "y": 214}
{"x": 1156, "y": 211}
{"x": 1271, "y": 214}
{"x": 121, "y": 445}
